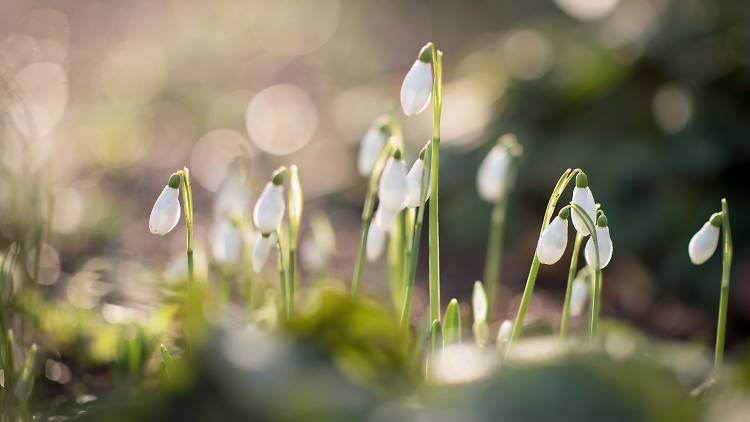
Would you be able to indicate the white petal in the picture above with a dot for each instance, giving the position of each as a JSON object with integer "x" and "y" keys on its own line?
{"x": 605, "y": 248}
{"x": 166, "y": 211}
{"x": 369, "y": 149}
{"x": 384, "y": 219}
{"x": 392, "y": 187}
{"x": 703, "y": 243}
{"x": 226, "y": 242}
{"x": 269, "y": 210}
{"x": 261, "y": 249}
{"x": 375, "y": 243}
{"x": 579, "y": 296}
{"x": 552, "y": 242}
{"x": 414, "y": 184}
{"x": 584, "y": 199}
{"x": 491, "y": 182}
{"x": 416, "y": 90}
{"x": 479, "y": 302}
{"x": 503, "y": 334}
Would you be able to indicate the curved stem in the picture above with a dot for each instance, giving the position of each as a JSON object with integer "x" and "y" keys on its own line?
{"x": 187, "y": 199}
{"x": 596, "y": 298}
{"x": 724, "y": 297}
{"x": 564, "y": 320}
{"x": 528, "y": 291}
{"x": 434, "y": 231}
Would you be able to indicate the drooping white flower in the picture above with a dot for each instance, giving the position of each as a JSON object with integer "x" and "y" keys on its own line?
{"x": 416, "y": 89}
{"x": 261, "y": 249}
{"x": 226, "y": 241}
{"x": 583, "y": 197}
{"x": 579, "y": 296}
{"x": 553, "y": 240}
{"x": 269, "y": 210}
{"x": 703, "y": 243}
{"x": 414, "y": 184}
{"x": 605, "y": 245}
{"x": 393, "y": 185}
{"x": 375, "y": 242}
{"x": 166, "y": 211}
{"x": 384, "y": 219}
{"x": 370, "y": 147}
{"x": 492, "y": 174}
{"x": 504, "y": 333}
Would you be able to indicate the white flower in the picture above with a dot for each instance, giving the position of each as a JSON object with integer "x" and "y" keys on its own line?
{"x": 392, "y": 187}
{"x": 703, "y": 243}
{"x": 369, "y": 149}
{"x": 479, "y": 302}
{"x": 583, "y": 197}
{"x": 552, "y": 241}
{"x": 605, "y": 248}
{"x": 269, "y": 210}
{"x": 375, "y": 242}
{"x": 579, "y": 295}
{"x": 416, "y": 90}
{"x": 504, "y": 333}
{"x": 261, "y": 249}
{"x": 166, "y": 211}
{"x": 384, "y": 219}
{"x": 226, "y": 241}
{"x": 414, "y": 184}
{"x": 492, "y": 173}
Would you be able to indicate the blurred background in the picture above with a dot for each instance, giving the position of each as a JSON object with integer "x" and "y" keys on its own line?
{"x": 102, "y": 101}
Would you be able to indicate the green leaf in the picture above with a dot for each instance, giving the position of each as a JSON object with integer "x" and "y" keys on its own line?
{"x": 295, "y": 203}
{"x": 452, "y": 324}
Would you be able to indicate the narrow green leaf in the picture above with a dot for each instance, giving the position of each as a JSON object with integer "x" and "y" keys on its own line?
{"x": 452, "y": 324}
{"x": 26, "y": 380}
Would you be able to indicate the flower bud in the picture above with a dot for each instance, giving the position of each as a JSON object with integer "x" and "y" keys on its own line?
{"x": 492, "y": 173}
{"x": 269, "y": 210}
{"x": 583, "y": 197}
{"x": 393, "y": 184}
{"x": 375, "y": 243}
{"x": 504, "y": 333}
{"x": 261, "y": 249}
{"x": 479, "y": 302}
{"x": 414, "y": 184}
{"x": 166, "y": 211}
{"x": 552, "y": 241}
{"x": 703, "y": 243}
{"x": 605, "y": 247}
{"x": 579, "y": 296}
{"x": 416, "y": 90}
{"x": 370, "y": 147}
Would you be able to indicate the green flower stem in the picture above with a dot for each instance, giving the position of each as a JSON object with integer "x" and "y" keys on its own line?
{"x": 596, "y": 298}
{"x": 494, "y": 253}
{"x": 437, "y": 104}
{"x": 396, "y": 246}
{"x": 528, "y": 291}
{"x": 414, "y": 249}
{"x": 187, "y": 200}
{"x": 724, "y": 298}
{"x": 283, "y": 288}
{"x": 296, "y": 201}
{"x": 367, "y": 213}
{"x": 565, "y": 319}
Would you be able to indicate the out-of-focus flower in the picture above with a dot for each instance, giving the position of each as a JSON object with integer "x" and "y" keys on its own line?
{"x": 579, "y": 296}
{"x": 494, "y": 172}
{"x": 371, "y": 145}
{"x": 226, "y": 241}
{"x": 416, "y": 90}
{"x": 554, "y": 239}
{"x": 166, "y": 211}
{"x": 375, "y": 242}
{"x": 703, "y": 243}
{"x": 503, "y": 334}
{"x": 261, "y": 249}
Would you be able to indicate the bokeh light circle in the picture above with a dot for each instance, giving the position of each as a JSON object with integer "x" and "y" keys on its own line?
{"x": 213, "y": 153}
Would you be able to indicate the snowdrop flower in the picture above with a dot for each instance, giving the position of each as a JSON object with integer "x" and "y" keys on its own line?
{"x": 703, "y": 243}
{"x": 269, "y": 210}
{"x": 416, "y": 90}
{"x": 583, "y": 197}
{"x": 226, "y": 241}
{"x": 261, "y": 249}
{"x": 370, "y": 147}
{"x": 384, "y": 219}
{"x": 166, "y": 211}
{"x": 492, "y": 173}
{"x": 579, "y": 296}
{"x": 503, "y": 334}
{"x": 393, "y": 184}
{"x": 414, "y": 183}
{"x": 375, "y": 242}
{"x": 605, "y": 244}
{"x": 554, "y": 239}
